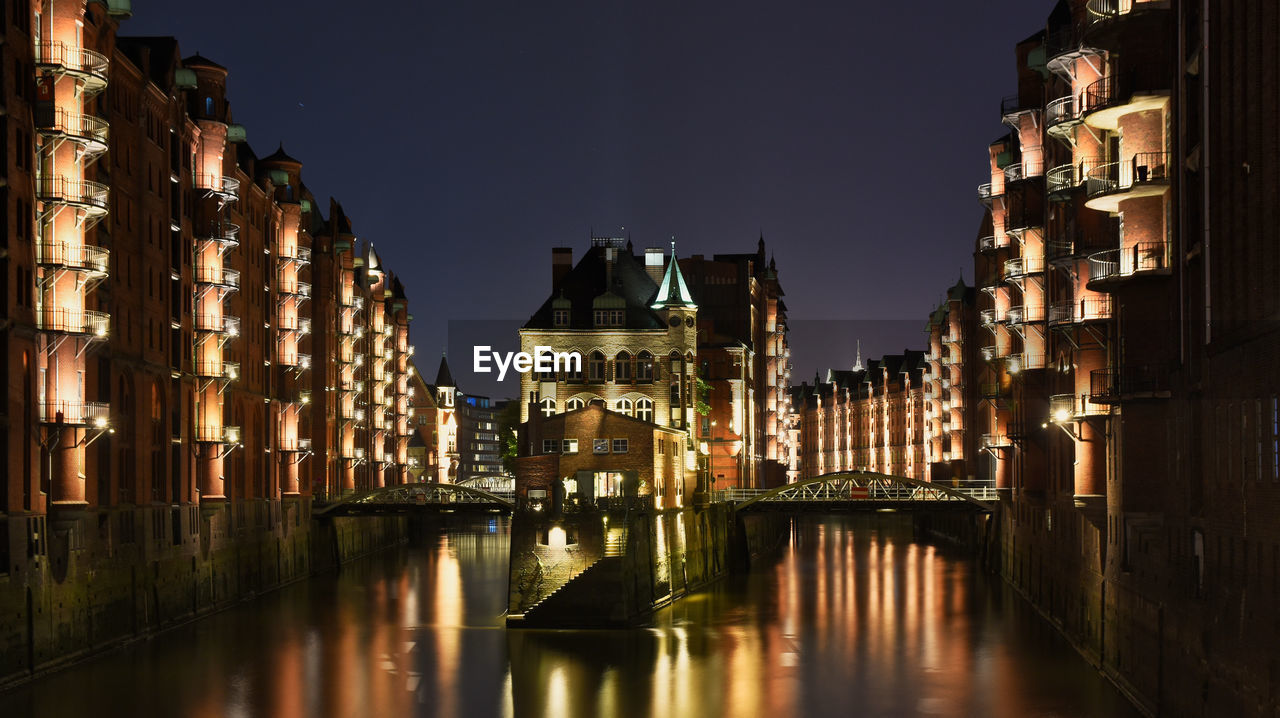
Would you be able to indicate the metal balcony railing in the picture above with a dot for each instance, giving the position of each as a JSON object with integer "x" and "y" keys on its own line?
{"x": 227, "y": 187}
{"x": 227, "y": 233}
{"x": 1103, "y": 10}
{"x": 986, "y": 192}
{"x": 297, "y": 361}
{"x": 1110, "y": 386}
{"x": 218, "y": 324}
{"x": 75, "y": 413}
{"x": 1061, "y": 110}
{"x": 1143, "y": 168}
{"x": 299, "y": 254}
{"x": 1019, "y": 267}
{"x": 1026, "y": 314}
{"x": 989, "y": 317}
{"x": 1016, "y": 363}
{"x": 989, "y": 352}
{"x": 1087, "y": 309}
{"x": 1061, "y": 179}
{"x": 217, "y": 276}
{"x": 215, "y": 434}
{"x": 73, "y": 321}
{"x": 995, "y": 441}
{"x": 296, "y": 289}
{"x": 88, "y": 130}
{"x": 1141, "y": 257}
{"x": 987, "y": 244}
{"x": 89, "y": 65}
{"x": 75, "y": 256}
{"x": 227, "y": 370}
{"x": 90, "y": 196}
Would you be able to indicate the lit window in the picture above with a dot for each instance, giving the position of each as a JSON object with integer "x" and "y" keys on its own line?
{"x": 624, "y": 406}
{"x": 570, "y": 446}
{"x": 574, "y": 403}
{"x": 548, "y": 406}
{"x": 619, "y": 446}
{"x": 549, "y": 446}
{"x": 644, "y": 366}
{"x": 644, "y": 410}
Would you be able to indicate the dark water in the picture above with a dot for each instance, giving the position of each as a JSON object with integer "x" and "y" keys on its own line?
{"x": 854, "y": 619}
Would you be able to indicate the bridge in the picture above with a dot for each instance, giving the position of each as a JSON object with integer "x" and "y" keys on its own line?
{"x": 857, "y": 490}
{"x": 416, "y": 498}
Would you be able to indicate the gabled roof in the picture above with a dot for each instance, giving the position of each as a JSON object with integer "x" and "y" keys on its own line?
{"x": 280, "y": 156}
{"x": 199, "y": 61}
{"x": 592, "y": 277}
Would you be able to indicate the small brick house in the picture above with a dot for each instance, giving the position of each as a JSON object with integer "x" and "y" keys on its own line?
{"x": 600, "y": 453}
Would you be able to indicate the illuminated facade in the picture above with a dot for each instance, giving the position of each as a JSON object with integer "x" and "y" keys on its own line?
{"x": 190, "y": 346}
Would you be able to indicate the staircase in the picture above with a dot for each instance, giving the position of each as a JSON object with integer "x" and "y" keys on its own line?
{"x": 615, "y": 542}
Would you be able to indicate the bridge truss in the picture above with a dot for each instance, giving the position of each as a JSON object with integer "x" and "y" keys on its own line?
{"x": 858, "y": 488}
{"x": 409, "y": 497}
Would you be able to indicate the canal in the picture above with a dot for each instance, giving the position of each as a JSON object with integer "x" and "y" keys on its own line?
{"x": 853, "y": 618}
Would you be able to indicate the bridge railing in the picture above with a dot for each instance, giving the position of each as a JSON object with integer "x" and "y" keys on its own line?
{"x": 843, "y": 489}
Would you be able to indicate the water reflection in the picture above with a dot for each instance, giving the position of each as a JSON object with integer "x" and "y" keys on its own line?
{"x": 855, "y": 618}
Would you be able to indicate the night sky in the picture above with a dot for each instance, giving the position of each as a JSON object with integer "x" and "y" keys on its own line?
{"x": 468, "y": 138}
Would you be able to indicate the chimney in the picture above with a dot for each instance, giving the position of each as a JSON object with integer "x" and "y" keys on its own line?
{"x": 653, "y": 260}
{"x": 561, "y": 263}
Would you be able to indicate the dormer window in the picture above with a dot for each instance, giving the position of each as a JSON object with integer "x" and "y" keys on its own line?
{"x": 608, "y": 317}
{"x": 560, "y": 317}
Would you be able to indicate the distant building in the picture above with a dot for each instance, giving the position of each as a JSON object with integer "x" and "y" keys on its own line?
{"x": 479, "y": 448}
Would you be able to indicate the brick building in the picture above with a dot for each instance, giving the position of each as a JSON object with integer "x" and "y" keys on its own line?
{"x": 191, "y": 346}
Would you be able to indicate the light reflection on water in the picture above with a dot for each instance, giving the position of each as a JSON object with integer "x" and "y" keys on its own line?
{"x": 854, "y": 618}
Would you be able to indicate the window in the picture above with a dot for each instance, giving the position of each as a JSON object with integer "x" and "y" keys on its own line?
{"x": 548, "y": 446}
{"x": 644, "y": 367}
{"x": 616, "y": 317}
{"x": 573, "y": 368}
{"x": 644, "y": 409}
{"x": 595, "y": 367}
{"x": 622, "y": 368}
{"x": 619, "y": 446}
{"x": 574, "y": 403}
{"x": 599, "y": 446}
{"x": 548, "y": 406}
{"x": 624, "y": 406}
{"x": 569, "y": 446}
{"x": 208, "y": 106}
{"x": 560, "y": 317}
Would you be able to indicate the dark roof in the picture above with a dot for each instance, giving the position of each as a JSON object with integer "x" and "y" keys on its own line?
{"x": 280, "y": 156}
{"x": 199, "y": 61}
{"x": 443, "y": 376}
{"x": 587, "y": 280}
{"x": 161, "y": 53}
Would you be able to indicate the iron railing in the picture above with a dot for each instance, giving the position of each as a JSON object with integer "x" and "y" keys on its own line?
{"x": 64, "y": 190}
{"x": 1142, "y": 168}
{"x": 74, "y": 59}
{"x": 81, "y": 257}
{"x": 73, "y": 321}
{"x": 1141, "y": 257}
{"x": 79, "y": 413}
{"x": 1108, "y": 386}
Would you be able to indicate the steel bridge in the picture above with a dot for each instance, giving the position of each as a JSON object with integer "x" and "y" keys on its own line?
{"x": 860, "y": 489}
{"x": 426, "y": 497}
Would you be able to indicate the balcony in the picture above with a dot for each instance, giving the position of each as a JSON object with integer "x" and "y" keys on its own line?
{"x": 989, "y": 318}
{"x": 86, "y": 66}
{"x": 1064, "y": 408}
{"x": 296, "y": 361}
{"x": 295, "y": 445}
{"x": 1017, "y": 363}
{"x": 88, "y": 197}
{"x": 226, "y": 234}
{"x": 1088, "y": 309}
{"x": 218, "y": 324}
{"x": 1102, "y": 11}
{"x": 988, "y": 244}
{"x": 296, "y": 289}
{"x": 1132, "y": 90}
{"x": 225, "y": 188}
{"x": 1061, "y": 181}
{"x": 1145, "y": 175}
{"x": 1013, "y": 108}
{"x": 996, "y": 441}
{"x": 989, "y": 353}
{"x": 1114, "y": 265}
{"x": 214, "y": 434}
{"x": 85, "y": 130}
{"x": 75, "y": 257}
{"x": 81, "y": 322}
{"x": 220, "y": 277}
{"x": 1061, "y": 117}
{"x": 986, "y": 193}
{"x": 75, "y": 413}
{"x": 1028, "y": 314}
{"x": 221, "y": 370}
{"x": 1129, "y": 383}
{"x": 299, "y": 254}
{"x": 1019, "y": 267}
{"x": 989, "y": 390}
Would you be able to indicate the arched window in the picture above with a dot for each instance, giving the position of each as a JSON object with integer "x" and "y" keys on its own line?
{"x": 573, "y": 367}
{"x": 677, "y": 363}
{"x": 622, "y": 367}
{"x": 548, "y": 406}
{"x": 644, "y": 409}
{"x": 624, "y": 406}
{"x": 595, "y": 367}
{"x": 574, "y": 403}
{"x": 644, "y": 367}
{"x": 208, "y": 106}
{"x": 675, "y": 395}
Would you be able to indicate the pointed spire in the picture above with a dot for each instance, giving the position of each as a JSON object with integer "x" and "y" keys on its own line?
{"x": 857, "y": 364}
{"x": 444, "y": 378}
{"x": 672, "y": 291}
